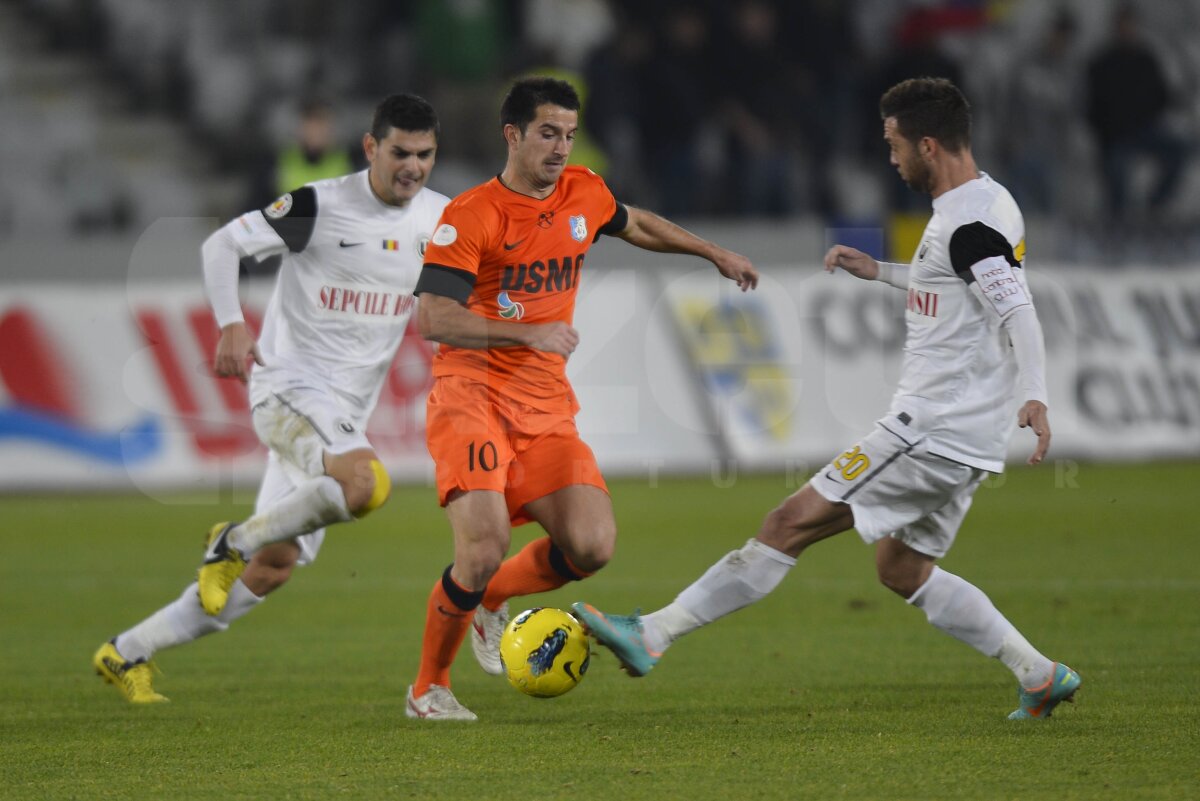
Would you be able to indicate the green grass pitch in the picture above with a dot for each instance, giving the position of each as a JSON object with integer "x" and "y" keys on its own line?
{"x": 831, "y": 688}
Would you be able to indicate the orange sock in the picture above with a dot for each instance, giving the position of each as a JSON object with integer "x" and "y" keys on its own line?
{"x": 538, "y": 567}
{"x": 447, "y": 618}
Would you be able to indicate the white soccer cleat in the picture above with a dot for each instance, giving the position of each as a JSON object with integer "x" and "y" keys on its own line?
{"x": 486, "y": 629}
{"x": 438, "y": 703}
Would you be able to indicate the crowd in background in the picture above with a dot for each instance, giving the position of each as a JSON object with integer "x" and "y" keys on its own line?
{"x": 1087, "y": 110}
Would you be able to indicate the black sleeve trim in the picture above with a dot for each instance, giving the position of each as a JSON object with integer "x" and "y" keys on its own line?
{"x": 617, "y": 224}
{"x": 295, "y": 226}
{"x": 449, "y": 282}
{"x": 974, "y": 242}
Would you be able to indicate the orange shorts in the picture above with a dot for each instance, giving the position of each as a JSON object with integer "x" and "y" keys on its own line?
{"x": 482, "y": 440}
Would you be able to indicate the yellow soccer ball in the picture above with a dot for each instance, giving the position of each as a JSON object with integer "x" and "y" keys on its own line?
{"x": 545, "y": 652}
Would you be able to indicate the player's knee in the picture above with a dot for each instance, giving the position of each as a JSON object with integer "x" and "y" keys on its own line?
{"x": 477, "y": 570}
{"x": 369, "y": 488}
{"x": 270, "y": 568}
{"x": 782, "y": 527}
{"x": 595, "y": 549}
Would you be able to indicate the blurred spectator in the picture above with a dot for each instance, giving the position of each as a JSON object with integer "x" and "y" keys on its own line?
{"x": 1043, "y": 97}
{"x": 1127, "y": 99}
{"x": 677, "y": 91}
{"x": 916, "y": 54}
{"x": 758, "y": 111}
{"x": 613, "y": 112}
{"x": 314, "y": 154}
{"x": 568, "y": 30}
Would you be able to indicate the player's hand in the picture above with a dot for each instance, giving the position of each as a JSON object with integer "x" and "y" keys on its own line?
{"x": 1033, "y": 415}
{"x": 557, "y": 338}
{"x": 234, "y": 351}
{"x": 738, "y": 268}
{"x": 853, "y": 261}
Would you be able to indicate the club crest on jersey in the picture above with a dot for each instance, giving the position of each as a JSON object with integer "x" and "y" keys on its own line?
{"x": 578, "y": 228}
{"x": 422, "y": 243}
{"x": 280, "y": 207}
{"x": 921, "y": 253}
{"x": 509, "y": 308}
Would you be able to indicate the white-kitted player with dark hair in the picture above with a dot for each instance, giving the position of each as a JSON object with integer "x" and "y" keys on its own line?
{"x": 974, "y": 362}
{"x": 352, "y": 251}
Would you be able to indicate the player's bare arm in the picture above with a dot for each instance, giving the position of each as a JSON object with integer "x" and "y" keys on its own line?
{"x": 649, "y": 231}
{"x": 445, "y": 320}
{"x": 853, "y": 261}
{"x": 235, "y": 349}
{"x": 1034, "y": 415}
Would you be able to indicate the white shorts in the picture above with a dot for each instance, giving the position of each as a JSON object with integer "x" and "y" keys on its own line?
{"x": 896, "y": 488}
{"x": 300, "y": 426}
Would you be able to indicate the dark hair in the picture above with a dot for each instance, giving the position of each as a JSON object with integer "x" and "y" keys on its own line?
{"x": 405, "y": 112}
{"x": 521, "y": 104}
{"x": 931, "y": 107}
{"x": 315, "y": 107}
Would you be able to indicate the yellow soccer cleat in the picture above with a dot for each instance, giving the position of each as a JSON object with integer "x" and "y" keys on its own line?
{"x": 223, "y": 564}
{"x": 133, "y": 679}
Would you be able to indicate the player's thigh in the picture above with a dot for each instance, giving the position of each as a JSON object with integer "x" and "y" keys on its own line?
{"x": 479, "y": 520}
{"x": 279, "y": 480}
{"x": 553, "y": 460}
{"x": 304, "y": 424}
{"x": 579, "y": 519}
{"x": 467, "y": 439}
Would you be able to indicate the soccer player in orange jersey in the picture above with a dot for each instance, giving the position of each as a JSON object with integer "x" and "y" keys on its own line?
{"x": 498, "y": 293}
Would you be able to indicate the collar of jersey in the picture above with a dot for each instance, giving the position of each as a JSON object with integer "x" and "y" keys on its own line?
{"x": 530, "y": 198}
{"x": 948, "y": 197}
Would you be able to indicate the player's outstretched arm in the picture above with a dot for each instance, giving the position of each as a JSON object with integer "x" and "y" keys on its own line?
{"x": 853, "y": 261}
{"x": 649, "y": 231}
{"x": 445, "y": 320}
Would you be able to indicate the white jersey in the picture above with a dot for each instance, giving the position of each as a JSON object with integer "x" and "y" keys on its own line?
{"x": 958, "y": 381}
{"x": 344, "y": 293}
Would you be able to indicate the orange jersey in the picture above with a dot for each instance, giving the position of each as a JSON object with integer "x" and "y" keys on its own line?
{"x": 520, "y": 259}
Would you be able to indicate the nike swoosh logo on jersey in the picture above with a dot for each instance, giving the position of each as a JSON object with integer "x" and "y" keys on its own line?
{"x": 345, "y": 244}
{"x": 513, "y": 245}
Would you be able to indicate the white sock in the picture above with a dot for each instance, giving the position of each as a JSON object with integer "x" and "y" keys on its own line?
{"x": 963, "y": 611}
{"x": 183, "y": 620}
{"x": 314, "y": 504}
{"x": 739, "y": 579}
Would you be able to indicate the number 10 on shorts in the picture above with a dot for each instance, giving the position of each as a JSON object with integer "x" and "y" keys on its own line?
{"x": 484, "y": 455}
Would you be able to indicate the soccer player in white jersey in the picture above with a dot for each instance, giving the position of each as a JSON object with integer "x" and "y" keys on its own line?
{"x": 352, "y": 251}
{"x": 973, "y": 356}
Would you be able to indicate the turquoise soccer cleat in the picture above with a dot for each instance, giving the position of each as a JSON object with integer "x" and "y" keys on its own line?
{"x": 621, "y": 634}
{"x": 1040, "y": 701}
